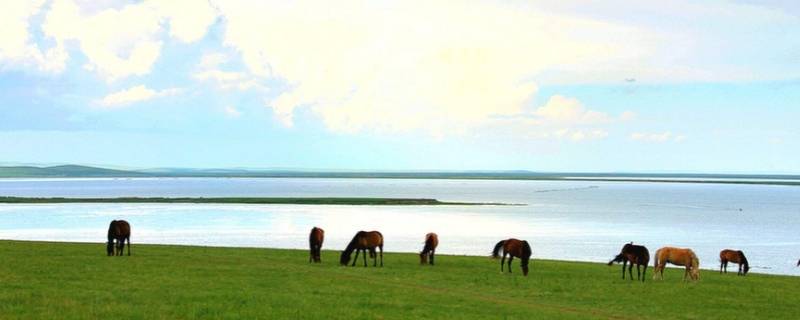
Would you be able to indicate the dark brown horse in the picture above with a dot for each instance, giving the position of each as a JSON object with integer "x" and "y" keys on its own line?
{"x": 363, "y": 241}
{"x": 431, "y": 242}
{"x": 514, "y": 248}
{"x": 315, "y": 239}
{"x": 634, "y": 254}
{"x": 119, "y": 231}
{"x": 735, "y": 256}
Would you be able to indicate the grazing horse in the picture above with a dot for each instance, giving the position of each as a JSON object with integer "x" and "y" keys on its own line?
{"x": 363, "y": 241}
{"x": 735, "y": 256}
{"x": 514, "y": 248}
{"x": 431, "y": 242}
{"x": 679, "y": 257}
{"x": 315, "y": 239}
{"x": 635, "y": 255}
{"x": 119, "y": 231}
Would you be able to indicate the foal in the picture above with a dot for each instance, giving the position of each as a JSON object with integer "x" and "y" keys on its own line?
{"x": 677, "y": 256}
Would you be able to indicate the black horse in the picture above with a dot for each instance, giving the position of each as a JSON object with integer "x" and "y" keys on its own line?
{"x": 119, "y": 231}
{"x": 634, "y": 254}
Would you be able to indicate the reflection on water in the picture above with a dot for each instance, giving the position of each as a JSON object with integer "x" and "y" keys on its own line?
{"x": 570, "y": 220}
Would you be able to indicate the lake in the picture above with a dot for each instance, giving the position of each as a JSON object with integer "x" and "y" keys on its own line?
{"x": 564, "y": 220}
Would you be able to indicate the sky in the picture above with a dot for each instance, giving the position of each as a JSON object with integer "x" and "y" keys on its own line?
{"x": 611, "y": 86}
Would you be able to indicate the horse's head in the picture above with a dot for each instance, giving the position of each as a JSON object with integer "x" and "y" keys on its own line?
{"x": 344, "y": 259}
{"x": 423, "y": 258}
{"x": 746, "y": 268}
{"x": 524, "y": 264}
{"x": 110, "y": 248}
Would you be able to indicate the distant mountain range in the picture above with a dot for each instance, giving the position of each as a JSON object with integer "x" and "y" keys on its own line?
{"x": 78, "y": 171}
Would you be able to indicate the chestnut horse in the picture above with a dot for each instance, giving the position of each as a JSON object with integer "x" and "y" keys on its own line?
{"x": 119, "y": 231}
{"x": 634, "y": 254}
{"x": 431, "y": 242}
{"x": 363, "y": 241}
{"x": 315, "y": 239}
{"x": 735, "y": 256}
{"x": 514, "y": 248}
{"x": 679, "y": 257}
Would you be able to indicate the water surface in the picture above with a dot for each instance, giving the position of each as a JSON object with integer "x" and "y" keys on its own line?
{"x": 567, "y": 220}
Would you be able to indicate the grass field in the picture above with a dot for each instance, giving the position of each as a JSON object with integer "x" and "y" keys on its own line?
{"x": 40, "y": 280}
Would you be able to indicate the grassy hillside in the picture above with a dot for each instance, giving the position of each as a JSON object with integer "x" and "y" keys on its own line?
{"x": 66, "y": 171}
{"x": 76, "y": 281}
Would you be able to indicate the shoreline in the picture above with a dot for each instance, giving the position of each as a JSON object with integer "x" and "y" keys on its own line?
{"x": 255, "y": 200}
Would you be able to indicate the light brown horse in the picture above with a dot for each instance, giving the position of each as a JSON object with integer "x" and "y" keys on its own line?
{"x": 514, "y": 248}
{"x": 735, "y": 256}
{"x": 315, "y": 239}
{"x": 119, "y": 231}
{"x": 428, "y": 252}
{"x": 634, "y": 254}
{"x": 679, "y": 257}
{"x": 363, "y": 241}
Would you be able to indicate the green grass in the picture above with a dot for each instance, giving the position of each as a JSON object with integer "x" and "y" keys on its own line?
{"x": 250, "y": 200}
{"x": 40, "y": 280}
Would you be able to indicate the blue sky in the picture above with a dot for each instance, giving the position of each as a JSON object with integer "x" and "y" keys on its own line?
{"x": 473, "y": 85}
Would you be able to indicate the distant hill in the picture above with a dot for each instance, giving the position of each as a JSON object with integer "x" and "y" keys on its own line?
{"x": 77, "y": 171}
{"x": 66, "y": 171}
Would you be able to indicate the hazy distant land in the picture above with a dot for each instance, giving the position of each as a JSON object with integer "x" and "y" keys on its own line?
{"x": 77, "y": 171}
{"x": 249, "y": 200}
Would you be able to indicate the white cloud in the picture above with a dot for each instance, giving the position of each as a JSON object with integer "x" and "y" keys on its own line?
{"x": 400, "y": 66}
{"x": 659, "y": 137}
{"x": 123, "y": 42}
{"x": 210, "y": 69}
{"x": 566, "y": 110}
{"x": 232, "y": 112}
{"x": 16, "y": 44}
{"x": 134, "y": 94}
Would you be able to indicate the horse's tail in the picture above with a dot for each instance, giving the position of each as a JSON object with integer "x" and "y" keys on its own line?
{"x": 618, "y": 258}
{"x": 497, "y": 247}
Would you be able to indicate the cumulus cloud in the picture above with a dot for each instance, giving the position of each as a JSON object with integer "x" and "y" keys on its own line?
{"x": 16, "y": 44}
{"x": 659, "y": 137}
{"x": 210, "y": 70}
{"x": 437, "y": 67}
{"x": 134, "y": 94}
{"x": 123, "y": 42}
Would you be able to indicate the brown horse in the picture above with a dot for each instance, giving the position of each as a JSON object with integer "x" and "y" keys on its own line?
{"x": 735, "y": 256}
{"x": 431, "y": 242}
{"x": 634, "y": 254}
{"x": 315, "y": 239}
{"x": 119, "y": 231}
{"x": 679, "y": 257}
{"x": 363, "y": 241}
{"x": 514, "y": 248}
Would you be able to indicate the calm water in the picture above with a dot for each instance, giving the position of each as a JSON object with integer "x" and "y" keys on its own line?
{"x": 567, "y": 220}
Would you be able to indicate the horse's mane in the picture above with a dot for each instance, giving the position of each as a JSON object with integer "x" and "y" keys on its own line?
{"x": 351, "y": 246}
{"x": 742, "y": 258}
{"x": 526, "y": 252}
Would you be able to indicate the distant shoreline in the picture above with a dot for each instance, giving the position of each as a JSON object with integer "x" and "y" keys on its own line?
{"x": 251, "y": 200}
{"x": 85, "y": 172}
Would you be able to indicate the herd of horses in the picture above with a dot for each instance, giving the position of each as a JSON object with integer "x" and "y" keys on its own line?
{"x": 119, "y": 232}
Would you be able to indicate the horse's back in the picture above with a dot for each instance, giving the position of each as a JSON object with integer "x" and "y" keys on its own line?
{"x": 119, "y": 229}
{"x": 431, "y": 240}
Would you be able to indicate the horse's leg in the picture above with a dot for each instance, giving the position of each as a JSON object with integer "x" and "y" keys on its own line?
{"x": 624, "y": 264}
{"x": 381, "y": 249}
{"x": 433, "y": 253}
{"x": 644, "y": 272}
{"x": 638, "y": 272}
{"x": 355, "y": 259}
{"x": 374, "y": 254}
{"x": 129, "y": 245}
{"x": 630, "y": 270}
{"x": 510, "y": 257}
{"x": 364, "y": 254}
{"x": 502, "y": 262}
